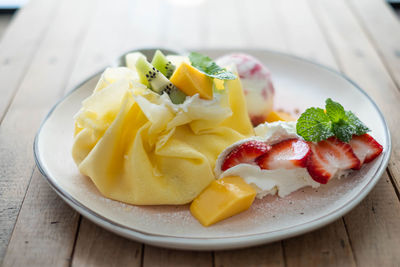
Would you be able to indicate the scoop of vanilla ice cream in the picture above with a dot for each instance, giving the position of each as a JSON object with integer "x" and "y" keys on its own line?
{"x": 256, "y": 82}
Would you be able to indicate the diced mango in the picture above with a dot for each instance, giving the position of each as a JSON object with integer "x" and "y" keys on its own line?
{"x": 191, "y": 81}
{"x": 219, "y": 84}
{"x": 223, "y": 198}
{"x": 279, "y": 116}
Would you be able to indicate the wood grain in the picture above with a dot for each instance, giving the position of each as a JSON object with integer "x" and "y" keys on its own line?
{"x": 98, "y": 247}
{"x": 39, "y": 58}
{"x": 244, "y": 20}
{"x": 19, "y": 44}
{"x": 130, "y": 17}
{"x": 303, "y": 37}
{"x": 38, "y": 91}
{"x": 328, "y": 246}
{"x": 359, "y": 60}
{"x": 103, "y": 43}
{"x": 382, "y": 26}
{"x": 267, "y": 255}
{"x": 302, "y": 32}
{"x": 154, "y": 256}
{"x": 45, "y": 230}
{"x": 374, "y": 228}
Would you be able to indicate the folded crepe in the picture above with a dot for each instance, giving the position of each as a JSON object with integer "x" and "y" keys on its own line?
{"x": 140, "y": 148}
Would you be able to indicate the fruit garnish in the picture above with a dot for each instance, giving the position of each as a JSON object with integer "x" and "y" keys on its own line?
{"x": 287, "y": 154}
{"x": 245, "y": 153}
{"x": 157, "y": 81}
{"x": 328, "y": 157}
{"x": 223, "y": 198}
{"x": 191, "y": 81}
{"x": 279, "y": 116}
{"x": 316, "y": 124}
{"x": 161, "y": 63}
{"x": 209, "y": 67}
{"x": 365, "y": 147}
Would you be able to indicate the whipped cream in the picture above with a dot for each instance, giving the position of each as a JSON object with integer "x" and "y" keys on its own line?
{"x": 265, "y": 182}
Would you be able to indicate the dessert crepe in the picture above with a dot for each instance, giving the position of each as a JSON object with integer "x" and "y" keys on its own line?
{"x": 140, "y": 148}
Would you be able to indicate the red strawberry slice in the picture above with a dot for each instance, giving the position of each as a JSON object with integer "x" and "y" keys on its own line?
{"x": 245, "y": 153}
{"x": 288, "y": 154}
{"x": 365, "y": 147}
{"x": 329, "y": 156}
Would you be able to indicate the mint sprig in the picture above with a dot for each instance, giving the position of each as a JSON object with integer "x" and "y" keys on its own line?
{"x": 209, "y": 67}
{"x": 316, "y": 125}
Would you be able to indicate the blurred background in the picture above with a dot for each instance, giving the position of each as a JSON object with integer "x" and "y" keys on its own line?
{"x": 9, "y": 7}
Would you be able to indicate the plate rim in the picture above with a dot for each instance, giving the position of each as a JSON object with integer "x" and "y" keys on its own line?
{"x": 217, "y": 243}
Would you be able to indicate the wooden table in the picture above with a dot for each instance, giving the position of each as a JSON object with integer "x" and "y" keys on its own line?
{"x": 52, "y": 45}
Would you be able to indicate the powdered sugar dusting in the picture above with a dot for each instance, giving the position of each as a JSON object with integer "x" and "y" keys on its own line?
{"x": 264, "y": 216}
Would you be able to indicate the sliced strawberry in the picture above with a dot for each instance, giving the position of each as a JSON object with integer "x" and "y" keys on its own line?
{"x": 288, "y": 154}
{"x": 365, "y": 147}
{"x": 329, "y": 156}
{"x": 245, "y": 153}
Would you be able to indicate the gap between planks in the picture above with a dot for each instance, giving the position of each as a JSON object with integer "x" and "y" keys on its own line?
{"x": 380, "y": 23}
{"x": 374, "y": 233}
{"x": 54, "y": 59}
{"x": 123, "y": 241}
{"x": 19, "y": 44}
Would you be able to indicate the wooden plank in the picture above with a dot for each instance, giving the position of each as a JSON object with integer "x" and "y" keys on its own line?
{"x": 39, "y": 90}
{"x": 359, "y": 60}
{"x": 154, "y": 256}
{"x": 131, "y": 17}
{"x": 374, "y": 227}
{"x": 223, "y": 31}
{"x": 19, "y": 44}
{"x": 241, "y": 26}
{"x": 267, "y": 255}
{"x": 254, "y": 33}
{"x": 304, "y": 38}
{"x": 45, "y": 231}
{"x": 328, "y": 246}
{"x": 104, "y": 44}
{"x": 98, "y": 247}
{"x": 375, "y": 236}
{"x": 302, "y": 33}
{"x": 382, "y": 26}
{"x": 185, "y": 26}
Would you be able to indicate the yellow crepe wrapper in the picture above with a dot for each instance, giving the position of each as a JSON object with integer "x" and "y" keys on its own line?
{"x": 139, "y": 148}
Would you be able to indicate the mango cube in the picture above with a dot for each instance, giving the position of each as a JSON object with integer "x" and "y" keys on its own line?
{"x": 223, "y": 198}
{"x": 279, "y": 116}
{"x": 191, "y": 81}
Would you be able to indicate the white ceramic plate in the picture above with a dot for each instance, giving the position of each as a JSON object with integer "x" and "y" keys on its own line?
{"x": 299, "y": 84}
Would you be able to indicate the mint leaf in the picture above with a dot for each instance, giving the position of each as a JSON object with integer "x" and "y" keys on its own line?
{"x": 341, "y": 127}
{"x": 343, "y": 130}
{"x": 314, "y": 125}
{"x": 209, "y": 67}
{"x": 334, "y": 110}
{"x": 360, "y": 127}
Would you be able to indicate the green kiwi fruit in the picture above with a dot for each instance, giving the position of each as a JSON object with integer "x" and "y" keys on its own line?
{"x": 157, "y": 81}
{"x": 161, "y": 63}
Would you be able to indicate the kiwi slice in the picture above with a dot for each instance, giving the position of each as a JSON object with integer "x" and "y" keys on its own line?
{"x": 157, "y": 81}
{"x": 161, "y": 63}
